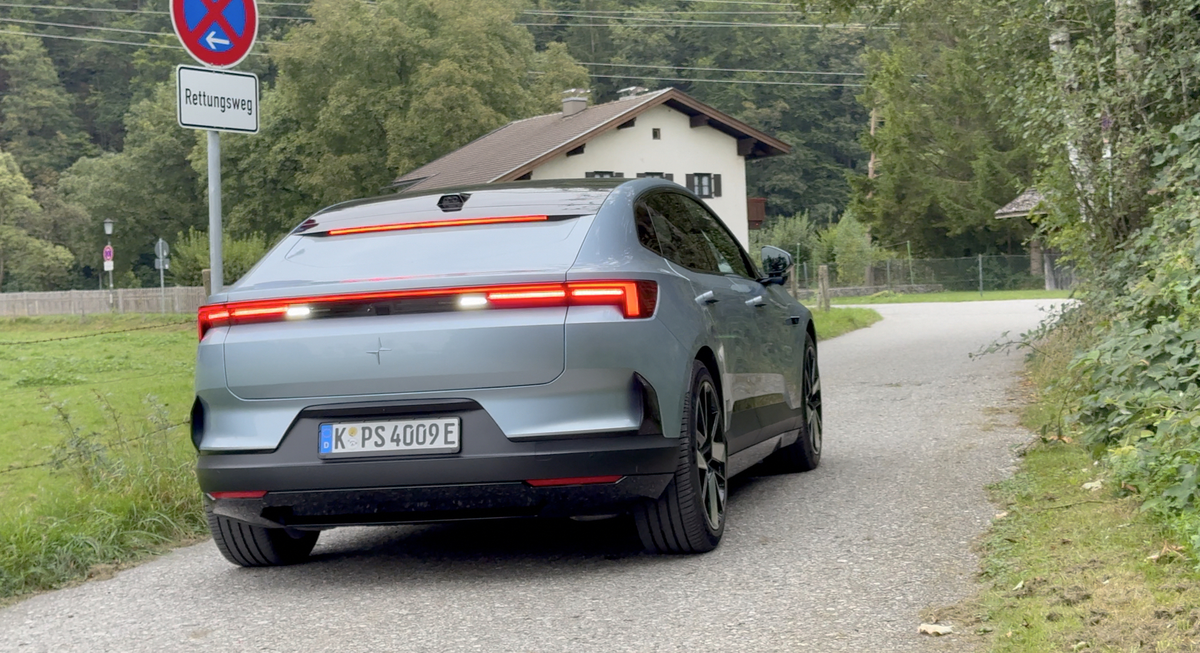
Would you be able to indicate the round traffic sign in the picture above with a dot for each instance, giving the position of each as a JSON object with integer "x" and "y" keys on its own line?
{"x": 108, "y": 252}
{"x": 161, "y": 249}
{"x": 217, "y": 33}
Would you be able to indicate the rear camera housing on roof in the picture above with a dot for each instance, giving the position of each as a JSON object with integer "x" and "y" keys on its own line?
{"x": 452, "y": 202}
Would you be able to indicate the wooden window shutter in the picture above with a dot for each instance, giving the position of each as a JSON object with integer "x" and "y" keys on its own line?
{"x": 589, "y": 175}
{"x": 669, "y": 177}
{"x": 641, "y": 175}
{"x": 716, "y": 189}
{"x": 691, "y": 182}
{"x": 618, "y": 174}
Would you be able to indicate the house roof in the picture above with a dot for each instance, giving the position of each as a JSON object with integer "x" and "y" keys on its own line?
{"x": 518, "y": 147}
{"x": 1026, "y": 204}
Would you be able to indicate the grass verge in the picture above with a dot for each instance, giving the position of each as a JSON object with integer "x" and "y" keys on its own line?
{"x": 95, "y": 462}
{"x": 888, "y": 297}
{"x": 842, "y": 320}
{"x": 1070, "y": 563}
{"x": 1073, "y": 569}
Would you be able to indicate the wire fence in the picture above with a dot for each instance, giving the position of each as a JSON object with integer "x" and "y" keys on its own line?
{"x": 972, "y": 273}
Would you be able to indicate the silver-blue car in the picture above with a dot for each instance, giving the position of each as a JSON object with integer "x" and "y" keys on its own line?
{"x": 571, "y": 348}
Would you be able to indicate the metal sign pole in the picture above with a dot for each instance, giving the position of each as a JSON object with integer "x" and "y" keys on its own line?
{"x": 214, "y": 211}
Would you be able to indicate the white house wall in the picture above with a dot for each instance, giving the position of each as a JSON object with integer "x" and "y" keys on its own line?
{"x": 682, "y": 150}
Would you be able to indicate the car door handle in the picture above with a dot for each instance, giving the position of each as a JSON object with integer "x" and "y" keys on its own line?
{"x": 706, "y": 297}
{"x": 792, "y": 320}
{"x": 756, "y": 301}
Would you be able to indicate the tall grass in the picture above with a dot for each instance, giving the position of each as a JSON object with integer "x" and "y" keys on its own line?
{"x": 133, "y": 492}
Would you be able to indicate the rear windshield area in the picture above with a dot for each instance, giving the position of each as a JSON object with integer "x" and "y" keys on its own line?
{"x": 343, "y": 244}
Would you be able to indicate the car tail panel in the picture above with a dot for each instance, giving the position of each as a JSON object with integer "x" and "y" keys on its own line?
{"x": 387, "y": 354}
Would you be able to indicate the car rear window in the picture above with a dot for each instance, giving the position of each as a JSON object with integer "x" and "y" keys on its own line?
{"x": 459, "y": 251}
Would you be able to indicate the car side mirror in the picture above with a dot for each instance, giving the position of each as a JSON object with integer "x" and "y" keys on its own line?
{"x": 776, "y": 263}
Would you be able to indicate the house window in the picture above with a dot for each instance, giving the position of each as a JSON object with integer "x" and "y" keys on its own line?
{"x": 603, "y": 174}
{"x": 656, "y": 134}
{"x": 656, "y": 175}
{"x": 704, "y": 184}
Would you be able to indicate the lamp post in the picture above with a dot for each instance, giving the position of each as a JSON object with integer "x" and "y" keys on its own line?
{"x": 108, "y": 229}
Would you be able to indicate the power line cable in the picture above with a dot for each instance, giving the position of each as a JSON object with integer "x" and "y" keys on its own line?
{"x": 80, "y": 38}
{"x": 748, "y": 2}
{"x": 846, "y": 26}
{"x": 74, "y": 26}
{"x": 716, "y": 81}
{"x": 724, "y": 70}
{"x": 604, "y": 13}
{"x": 109, "y": 41}
{"x": 126, "y": 11}
{"x": 655, "y": 19}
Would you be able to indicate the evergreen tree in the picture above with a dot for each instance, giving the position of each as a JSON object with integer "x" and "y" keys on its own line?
{"x": 946, "y": 163}
{"x": 37, "y": 125}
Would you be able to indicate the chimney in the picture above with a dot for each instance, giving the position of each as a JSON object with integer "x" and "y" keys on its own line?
{"x": 574, "y": 101}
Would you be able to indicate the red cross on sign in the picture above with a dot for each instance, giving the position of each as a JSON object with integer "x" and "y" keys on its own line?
{"x": 217, "y": 33}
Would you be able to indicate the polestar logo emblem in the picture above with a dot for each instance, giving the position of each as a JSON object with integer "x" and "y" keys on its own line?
{"x": 377, "y": 352}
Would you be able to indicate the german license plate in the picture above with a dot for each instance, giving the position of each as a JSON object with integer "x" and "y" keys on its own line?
{"x": 390, "y": 438}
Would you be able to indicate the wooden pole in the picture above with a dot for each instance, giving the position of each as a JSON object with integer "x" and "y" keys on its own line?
{"x": 823, "y": 286}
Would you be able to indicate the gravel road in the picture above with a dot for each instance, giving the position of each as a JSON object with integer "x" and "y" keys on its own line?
{"x": 840, "y": 559}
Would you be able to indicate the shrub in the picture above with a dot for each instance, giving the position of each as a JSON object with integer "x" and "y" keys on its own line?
{"x": 190, "y": 256}
{"x": 1134, "y": 388}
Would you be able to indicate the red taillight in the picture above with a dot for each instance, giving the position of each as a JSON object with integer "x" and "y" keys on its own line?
{"x": 245, "y": 494}
{"x": 635, "y": 300}
{"x": 576, "y": 480}
{"x": 433, "y": 224}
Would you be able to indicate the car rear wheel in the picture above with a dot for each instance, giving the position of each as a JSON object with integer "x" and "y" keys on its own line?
{"x": 255, "y": 546}
{"x": 805, "y": 453}
{"x": 689, "y": 517}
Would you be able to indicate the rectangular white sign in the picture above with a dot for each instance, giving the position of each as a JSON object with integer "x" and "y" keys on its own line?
{"x": 217, "y": 99}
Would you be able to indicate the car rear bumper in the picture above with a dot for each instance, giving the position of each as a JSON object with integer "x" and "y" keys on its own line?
{"x": 489, "y": 477}
{"x": 438, "y": 503}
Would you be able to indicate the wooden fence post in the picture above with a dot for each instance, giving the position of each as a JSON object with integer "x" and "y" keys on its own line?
{"x": 823, "y": 286}
{"x": 206, "y": 277}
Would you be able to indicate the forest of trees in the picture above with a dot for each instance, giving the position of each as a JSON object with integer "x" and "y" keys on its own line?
{"x": 971, "y": 106}
{"x": 356, "y": 93}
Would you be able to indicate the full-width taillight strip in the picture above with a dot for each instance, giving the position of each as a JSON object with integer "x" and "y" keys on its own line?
{"x": 432, "y": 224}
{"x": 635, "y": 299}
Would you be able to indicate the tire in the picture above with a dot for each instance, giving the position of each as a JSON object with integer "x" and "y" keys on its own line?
{"x": 804, "y": 454}
{"x": 255, "y": 546}
{"x": 689, "y": 517}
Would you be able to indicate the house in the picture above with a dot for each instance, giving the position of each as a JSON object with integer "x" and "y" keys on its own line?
{"x": 1043, "y": 262}
{"x": 663, "y": 133}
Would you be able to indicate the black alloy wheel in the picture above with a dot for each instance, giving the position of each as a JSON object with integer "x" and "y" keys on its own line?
{"x": 689, "y": 517}
{"x": 711, "y": 455}
{"x": 812, "y": 399}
